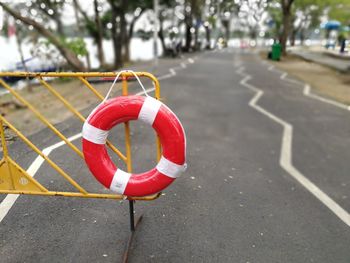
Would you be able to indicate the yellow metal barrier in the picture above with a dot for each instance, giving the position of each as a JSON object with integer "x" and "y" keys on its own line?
{"x": 15, "y": 180}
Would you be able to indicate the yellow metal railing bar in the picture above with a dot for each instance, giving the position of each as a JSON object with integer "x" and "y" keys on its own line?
{"x": 89, "y": 86}
{"x": 4, "y": 149}
{"x": 41, "y": 117}
{"x": 3, "y": 139}
{"x": 22, "y": 74}
{"x": 76, "y": 113}
{"x": 45, "y": 192}
{"x": 127, "y": 129}
{"x": 35, "y": 149}
{"x": 80, "y": 195}
{"x": 98, "y": 95}
{"x": 82, "y": 77}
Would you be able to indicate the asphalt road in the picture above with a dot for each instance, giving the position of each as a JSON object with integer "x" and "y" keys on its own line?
{"x": 245, "y": 197}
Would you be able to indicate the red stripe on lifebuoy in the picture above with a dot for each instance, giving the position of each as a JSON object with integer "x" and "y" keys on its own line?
{"x": 126, "y": 108}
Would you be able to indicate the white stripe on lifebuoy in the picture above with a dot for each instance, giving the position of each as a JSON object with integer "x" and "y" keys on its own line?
{"x": 169, "y": 168}
{"x": 120, "y": 180}
{"x": 149, "y": 110}
{"x": 94, "y": 134}
{"x": 127, "y": 108}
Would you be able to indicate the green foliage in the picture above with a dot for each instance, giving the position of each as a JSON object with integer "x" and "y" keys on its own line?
{"x": 310, "y": 12}
{"x": 144, "y": 35}
{"x": 341, "y": 13}
{"x": 275, "y": 13}
{"x": 5, "y": 27}
{"x": 212, "y": 21}
{"x": 76, "y": 45}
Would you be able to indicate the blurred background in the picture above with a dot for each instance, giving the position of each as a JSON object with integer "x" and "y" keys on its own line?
{"x": 262, "y": 89}
{"x": 49, "y": 35}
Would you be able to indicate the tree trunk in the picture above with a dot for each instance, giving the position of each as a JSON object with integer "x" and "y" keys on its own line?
{"x": 79, "y": 32}
{"x": 208, "y": 37}
{"x": 161, "y": 37}
{"x": 286, "y": 11}
{"x": 196, "y": 42}
{"x": 123, "y": 30}
{"x": 188, "y": 36}
{"x": 302, "y": 36}
{"x": 20, "y": 51}
{"x": 59, "y": 24}
{"x": 228, "y": 32}
{"x": 285, "y": 32}
{"x": 99, "y": 36}
{"x": 127, "y": 41}
{"x": 292, "y": 37}
{"x": 126, "y": 56}
{"x": 116, "y": 35}
{"x": 71, "y": 58}
{"x": 129, "y": 36}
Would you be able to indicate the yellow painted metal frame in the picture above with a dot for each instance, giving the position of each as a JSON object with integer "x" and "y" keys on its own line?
{"x": 15, "y": 180}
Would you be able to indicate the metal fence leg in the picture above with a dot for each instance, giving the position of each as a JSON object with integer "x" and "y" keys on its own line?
{"x": 133, "y": 228}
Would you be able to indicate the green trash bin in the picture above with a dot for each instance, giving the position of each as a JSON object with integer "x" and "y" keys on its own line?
{"x": 276, "y": 51}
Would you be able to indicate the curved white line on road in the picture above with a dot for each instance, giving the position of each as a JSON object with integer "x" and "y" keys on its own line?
{"x": 10, "y": 199}
{"x": 286, "y": 153}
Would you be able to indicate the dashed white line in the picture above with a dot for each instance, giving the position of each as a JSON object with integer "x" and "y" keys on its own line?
{"x": 172, "y": 71}
{"x": 286, "y": 153}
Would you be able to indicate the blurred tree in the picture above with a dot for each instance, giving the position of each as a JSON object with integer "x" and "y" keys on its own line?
{"x": 208, "y": 25}
{"x": 306, "y": 14}
{"x": 251, "y": 13}
{"x": 117, "y": 18}
{"x": 123, "y": 15}
{"x": 286, "y": 6}
{"x": 340, "y": 11}
{"x": 189, "y": 24}
{"x": 80, "y": 32}
{"x": 94, "y": 28}
{"x": 52, "y": 9}
{"x": 65, "y": 51}
{"x": 275, "y": 22}
{"x": 197, "y": 11}
{"x": 192, "y": 20}
{"x": 228, "y": 10}
{"x": 135, "y": 9}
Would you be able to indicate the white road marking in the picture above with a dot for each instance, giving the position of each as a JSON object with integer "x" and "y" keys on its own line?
{"x": 172, "y": 71}
{"x": 10, "y": 199}
{"x": 147, "y": 90}
{"x": 286, "y": 153}
{"x": 307, "y": 89}
{"x": 166, "y": 76}
{"x": 307, "y": 92}
{"x": 169, "y": 75}
{"x": 190, "y": 60}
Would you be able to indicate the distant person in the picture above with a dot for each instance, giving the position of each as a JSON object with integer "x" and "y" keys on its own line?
{"x": 342, "y": 42}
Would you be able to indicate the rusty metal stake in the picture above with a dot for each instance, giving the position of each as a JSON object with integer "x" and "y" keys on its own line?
{"x": 133, "y": 228}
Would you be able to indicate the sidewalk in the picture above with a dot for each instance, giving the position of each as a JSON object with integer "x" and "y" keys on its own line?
{"x": 320, "y": 57}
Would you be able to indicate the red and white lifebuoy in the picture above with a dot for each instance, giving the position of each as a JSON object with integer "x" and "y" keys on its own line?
{"x": 126, "y": 108}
